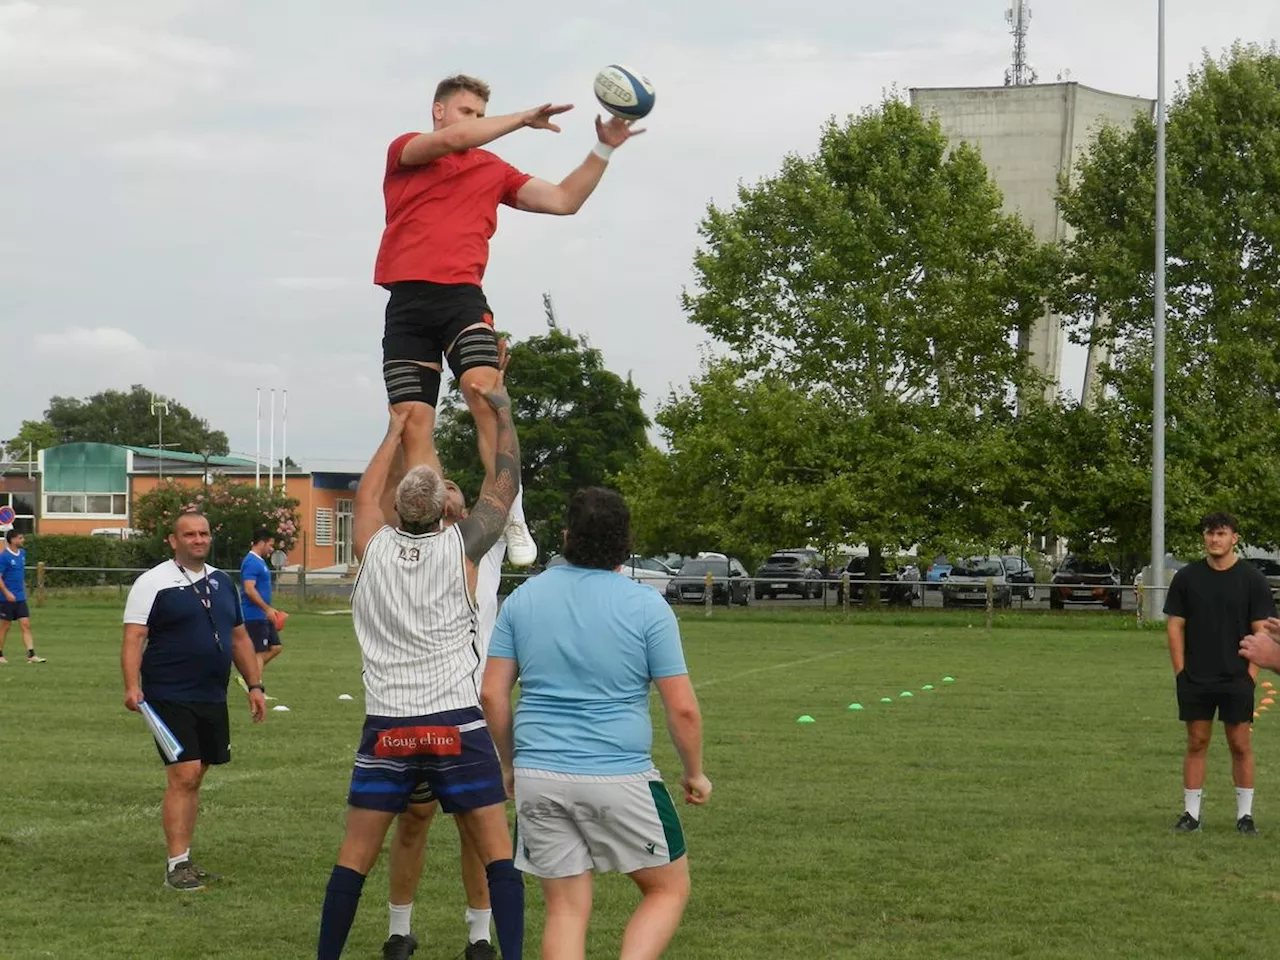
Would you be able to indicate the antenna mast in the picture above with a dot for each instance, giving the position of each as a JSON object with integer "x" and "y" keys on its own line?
{"x": 1021, "y": 73}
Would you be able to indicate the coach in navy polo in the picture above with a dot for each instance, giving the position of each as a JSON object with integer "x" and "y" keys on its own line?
{"x": 182, "y": 629}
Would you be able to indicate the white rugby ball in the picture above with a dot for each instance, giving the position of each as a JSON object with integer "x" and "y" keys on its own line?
{"x": 624, "y": 92}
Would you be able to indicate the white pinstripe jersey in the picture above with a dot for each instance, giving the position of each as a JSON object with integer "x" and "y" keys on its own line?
{"x": 416, "y": 624}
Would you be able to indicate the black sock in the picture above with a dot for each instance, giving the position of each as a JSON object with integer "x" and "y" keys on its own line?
{"x": 506, "y": 896}
{"x": 340, "y": 901}
{"x": 31, "y": 653}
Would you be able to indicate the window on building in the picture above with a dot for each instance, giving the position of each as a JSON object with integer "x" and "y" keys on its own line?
{"x": 95, "y": 504}
{"x": 24, "y": 509}
{"x": 324, "y": 527}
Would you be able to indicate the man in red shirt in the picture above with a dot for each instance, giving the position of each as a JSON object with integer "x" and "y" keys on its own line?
{"x": 442, "y": 193}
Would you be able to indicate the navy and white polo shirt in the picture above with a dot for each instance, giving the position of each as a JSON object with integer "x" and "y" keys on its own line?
{"x": 188, "y": 652}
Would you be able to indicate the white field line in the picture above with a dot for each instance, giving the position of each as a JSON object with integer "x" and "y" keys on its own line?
{"x": 702, "y": 685}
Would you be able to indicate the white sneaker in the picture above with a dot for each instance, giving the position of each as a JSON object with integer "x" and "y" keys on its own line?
{"x": 521, "y": 550}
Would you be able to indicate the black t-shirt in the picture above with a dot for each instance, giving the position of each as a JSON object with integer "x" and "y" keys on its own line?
{"x": 1220, "y": 607}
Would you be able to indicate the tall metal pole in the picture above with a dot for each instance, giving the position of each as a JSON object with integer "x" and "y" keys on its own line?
{"x": 1157, "y": 400}
{"x": 271, "y": 465}
{"x": 257, "y": 452}
{"x": 284, "y": 440}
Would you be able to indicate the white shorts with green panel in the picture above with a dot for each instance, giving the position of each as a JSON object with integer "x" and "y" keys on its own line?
{"x": 568, "y": 824}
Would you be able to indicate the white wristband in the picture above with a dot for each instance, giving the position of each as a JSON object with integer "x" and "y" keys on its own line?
{"x": 603, "y": 151}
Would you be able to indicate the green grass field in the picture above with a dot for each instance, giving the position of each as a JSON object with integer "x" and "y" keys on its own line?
{"x": 1023, "y": 811}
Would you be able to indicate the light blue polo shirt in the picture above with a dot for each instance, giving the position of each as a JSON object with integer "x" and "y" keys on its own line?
{"x": 587, "y": 643}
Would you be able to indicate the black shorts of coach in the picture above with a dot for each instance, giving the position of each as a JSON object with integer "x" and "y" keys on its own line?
{"x": 263, "y": 633}
{"x": 1230, "y": 699}
{"x": 203, "y": 729}
{"x": 430, "y": 323}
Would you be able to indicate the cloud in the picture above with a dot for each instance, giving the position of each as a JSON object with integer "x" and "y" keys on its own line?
{"x": 105, "y": 60}
{"x": 219, "y": 150}
{"x": 92, "y": 342}
{"x": 321, "y": 284}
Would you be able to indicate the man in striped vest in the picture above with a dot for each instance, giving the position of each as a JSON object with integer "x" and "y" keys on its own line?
{"x": 414, "y": 612}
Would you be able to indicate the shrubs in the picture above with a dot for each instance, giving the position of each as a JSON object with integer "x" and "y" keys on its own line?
{"x": 59, "y": 550}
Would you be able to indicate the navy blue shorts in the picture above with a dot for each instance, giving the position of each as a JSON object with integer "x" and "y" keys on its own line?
{"x": 263, "y": 634}
{"x": 447, "y": 756}
{"x": 14, "y": 610}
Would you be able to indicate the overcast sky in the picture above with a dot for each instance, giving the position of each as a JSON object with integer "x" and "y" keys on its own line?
{"x": 191, "y": 188}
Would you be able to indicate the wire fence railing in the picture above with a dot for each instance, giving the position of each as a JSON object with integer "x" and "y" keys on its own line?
{"x": 844, "y": 593}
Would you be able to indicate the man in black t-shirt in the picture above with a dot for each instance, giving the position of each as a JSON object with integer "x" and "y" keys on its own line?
{"x": 1212, "y": 605}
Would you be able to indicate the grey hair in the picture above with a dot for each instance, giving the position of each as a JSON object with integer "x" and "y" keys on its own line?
{"x": 420, "y": 499}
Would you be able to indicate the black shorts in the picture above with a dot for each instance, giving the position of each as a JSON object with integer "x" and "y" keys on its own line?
{"x": 1232, "y": 700}
{"x": 14, "y": 610}
{"x": 447, "y": 756}
{"x": 203, "y": 729}
{"x": 263, "y": 633}
{"x": 424, "y": 319}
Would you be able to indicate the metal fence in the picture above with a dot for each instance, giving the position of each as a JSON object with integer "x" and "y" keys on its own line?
{"x": 841, "y": 595}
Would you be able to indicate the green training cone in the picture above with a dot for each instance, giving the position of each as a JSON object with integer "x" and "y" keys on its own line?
{"x": 927, "y": 686}
{"x": 806, "y": 719}
{"x": 886, "y": 699}
{"x": 948, "y": 679}
{"x": 906, "y": 693}
{"x": 855, "y": 706}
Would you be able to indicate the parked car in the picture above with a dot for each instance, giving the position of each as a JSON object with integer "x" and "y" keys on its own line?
{"x": 1020, "y": 573}
{"x": 1171, "y": 566}
{"x": 791, "y": 572}
{"x": 902, "y": 586}
{"x": 1081, "y": 580}
{"x": 1269, "y": 568}
{"x": 966, "y": 583}
{"x": 650, "y": 571}
{"x": 730, "y": 583}
{"x": 937, "y": 572}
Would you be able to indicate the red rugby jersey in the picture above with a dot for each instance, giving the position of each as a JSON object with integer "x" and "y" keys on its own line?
{"x": 440, "y": 215}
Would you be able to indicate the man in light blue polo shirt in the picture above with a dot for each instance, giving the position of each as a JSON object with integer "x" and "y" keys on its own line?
{"x": 585, "y": 643}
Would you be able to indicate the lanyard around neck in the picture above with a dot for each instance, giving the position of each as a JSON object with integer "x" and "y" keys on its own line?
{"x": 206, "y": 599}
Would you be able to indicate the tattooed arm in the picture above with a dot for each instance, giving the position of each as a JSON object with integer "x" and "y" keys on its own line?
{"x": 482, "y": 527}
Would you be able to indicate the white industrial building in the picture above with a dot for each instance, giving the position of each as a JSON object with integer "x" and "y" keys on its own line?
{"x": 1029, "y": 136}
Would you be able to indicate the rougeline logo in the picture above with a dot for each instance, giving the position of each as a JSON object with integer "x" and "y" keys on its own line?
{"x": 416, "y": 741}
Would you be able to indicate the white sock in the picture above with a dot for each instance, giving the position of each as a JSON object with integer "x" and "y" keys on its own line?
{"x": 478, "y": 925}
{"x": 1192, "y": 802}
{"x": 401, "y": 919}
{"x": 185, "y": 855}
{"x": 516, "y": 513}
{"x": 1244, "y": 802}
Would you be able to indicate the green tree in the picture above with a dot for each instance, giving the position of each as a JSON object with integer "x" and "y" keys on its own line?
{"x": 33, "y": 435}
{"x": 114, "y": 416}
{"x": 579, "y": 424}
{"x": 870, "y": 296}
{"x": 1223, "y": 316}
{"x": 234, "y": 510}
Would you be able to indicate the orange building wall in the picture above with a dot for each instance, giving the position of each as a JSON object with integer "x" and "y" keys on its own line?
{"x": 299, "y": 487}
{"x": 79, "y": 528}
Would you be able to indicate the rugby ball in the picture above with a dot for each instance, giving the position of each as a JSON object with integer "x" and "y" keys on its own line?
{"x": 624, "y": 92}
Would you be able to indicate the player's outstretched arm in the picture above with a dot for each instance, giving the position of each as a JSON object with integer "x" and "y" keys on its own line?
{"x": 482, "y": 527}
{"x": 467, "y": 134}
{"x": 568, "y": 196}
{"x": 369, "y": 518}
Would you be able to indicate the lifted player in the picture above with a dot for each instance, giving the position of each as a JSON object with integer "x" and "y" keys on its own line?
{"x": 442, "y": 194}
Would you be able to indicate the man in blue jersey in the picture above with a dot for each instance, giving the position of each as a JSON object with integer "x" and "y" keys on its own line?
{"x": 585, "y": 643}
{"x": 260, "y": 618}
{"x": 13, "y": 589}
{"x": 182, "y": 630}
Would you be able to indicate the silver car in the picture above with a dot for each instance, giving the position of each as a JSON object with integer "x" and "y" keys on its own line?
{"x": 967, "y": 583}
